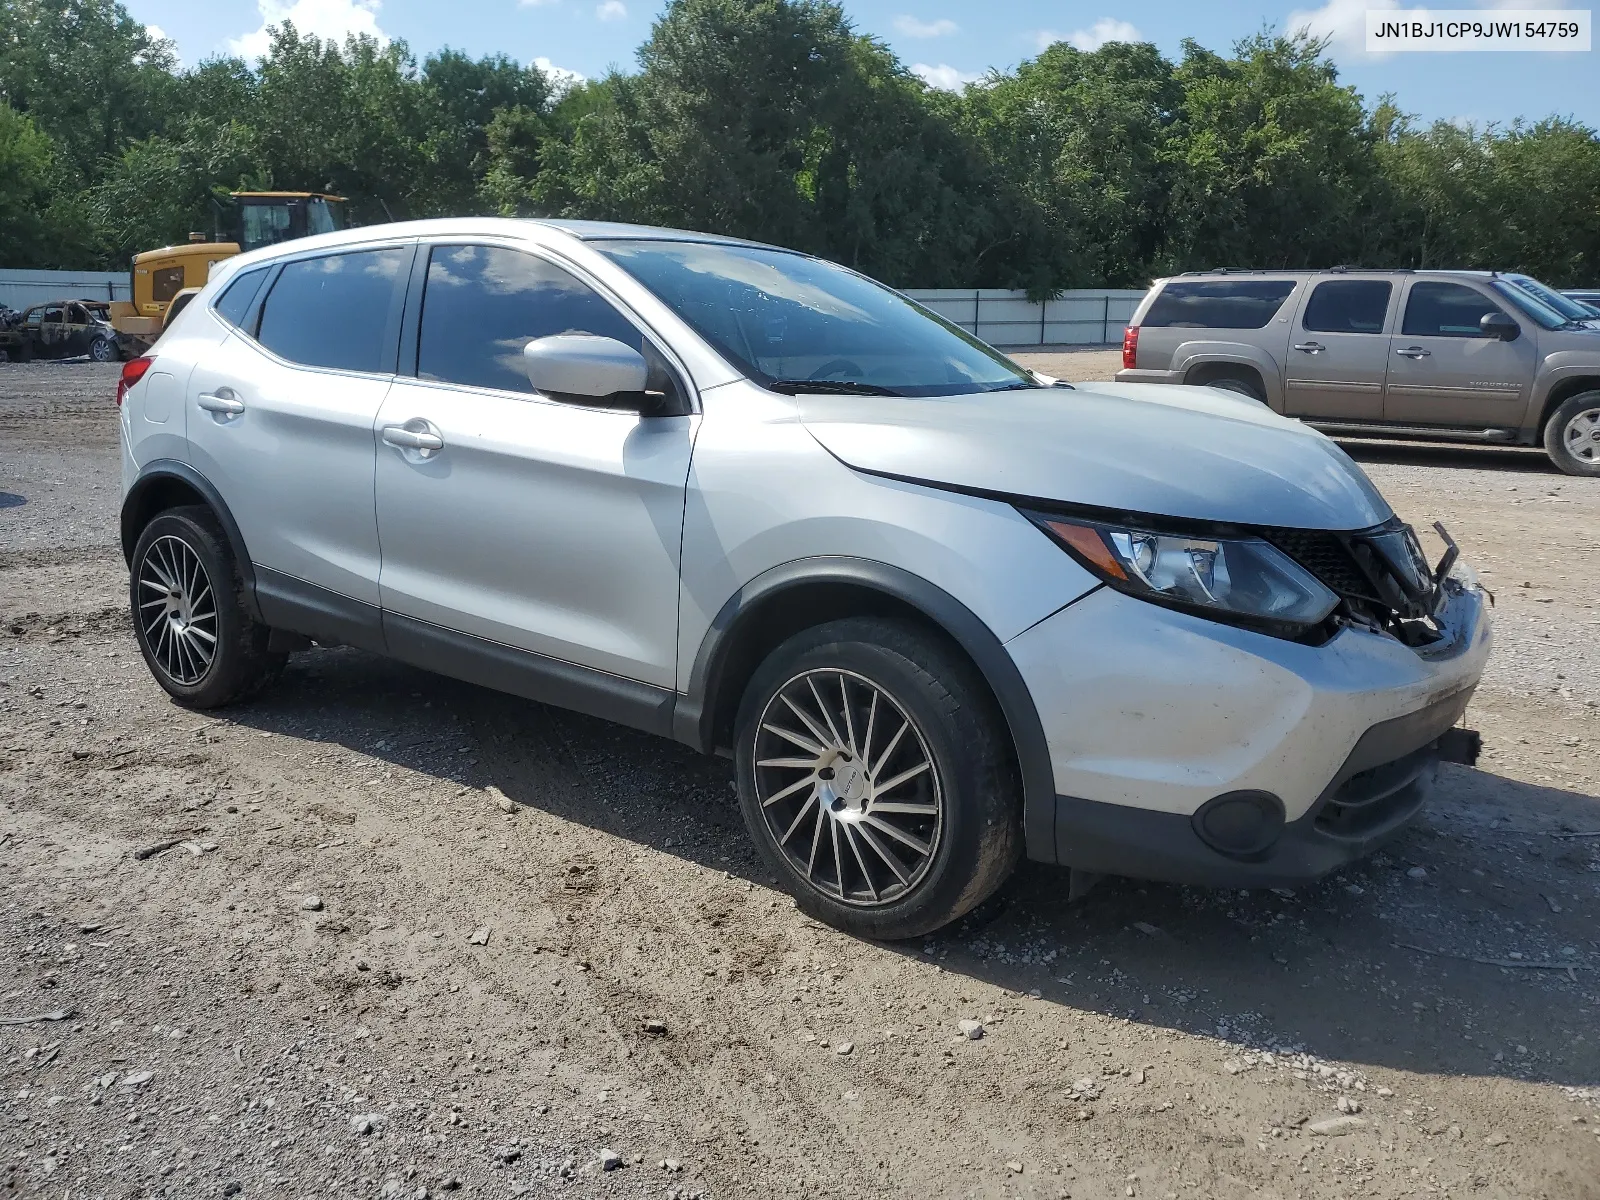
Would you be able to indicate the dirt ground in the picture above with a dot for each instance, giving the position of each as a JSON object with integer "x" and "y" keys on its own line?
{"x": 362, "y": 976}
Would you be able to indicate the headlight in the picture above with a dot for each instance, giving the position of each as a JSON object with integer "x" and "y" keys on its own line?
{"x": 1220, "y": 577}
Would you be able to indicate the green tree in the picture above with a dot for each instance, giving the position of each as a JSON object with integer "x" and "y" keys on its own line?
{"x": 90, "y": 76}
{"x": 27, "y": 167}
{"x": 1273, "y": 159}
{"x": 1088, "y": 136}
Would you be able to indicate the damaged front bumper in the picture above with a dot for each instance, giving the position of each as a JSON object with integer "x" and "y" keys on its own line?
{"x": 1191, "y": 752}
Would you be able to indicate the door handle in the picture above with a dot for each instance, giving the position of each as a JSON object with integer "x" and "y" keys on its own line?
{"x": 219, "y": 402}
{"x": 402, "y": 438}
{"x": 1412, "y": 351}
{"x": 1311, "y": 347}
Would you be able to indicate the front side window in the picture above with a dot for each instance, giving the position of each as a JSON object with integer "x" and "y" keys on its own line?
{"x": 1348, "y": 306}
{"x": 483, "y": 304}
{"x": 1218, "y": 303}
{"x": 336, "y": 310}
{"x": 1445, "y": 310}
{"x": 792, "y": 322}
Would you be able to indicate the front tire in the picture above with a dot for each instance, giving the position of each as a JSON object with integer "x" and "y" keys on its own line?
{"x": 876, "y": 778}
{"x": 103, "y": 349}
{"x": 189, "y": 614}
{"x": 1572, "y": 435}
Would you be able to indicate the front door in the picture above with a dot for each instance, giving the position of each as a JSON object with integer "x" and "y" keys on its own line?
{"x": 280, "y": 417}
{"x": 1444, "y": 372}
{"x": 535, "y": 522}
{"x": 1339, "y": 351}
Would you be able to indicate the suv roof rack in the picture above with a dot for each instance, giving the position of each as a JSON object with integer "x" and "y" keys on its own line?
{"x": 1342, "y": 269}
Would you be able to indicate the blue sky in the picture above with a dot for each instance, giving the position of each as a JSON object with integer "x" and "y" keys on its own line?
{"x": 946, "y": 41}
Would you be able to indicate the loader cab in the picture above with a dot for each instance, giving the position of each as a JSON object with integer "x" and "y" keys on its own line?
{"x": 267, "y": 218}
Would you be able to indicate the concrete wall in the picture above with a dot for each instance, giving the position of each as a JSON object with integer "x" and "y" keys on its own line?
{"x": 22, "y": 289}
{"x": 1086, "y": 317}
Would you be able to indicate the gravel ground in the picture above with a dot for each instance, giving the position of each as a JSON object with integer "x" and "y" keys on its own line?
{"x": 421, "y": 939}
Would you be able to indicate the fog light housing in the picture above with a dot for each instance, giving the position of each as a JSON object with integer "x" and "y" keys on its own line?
{"x": 1244, "y": 825}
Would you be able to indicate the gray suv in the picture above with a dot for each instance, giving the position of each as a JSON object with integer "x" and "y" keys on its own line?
{"x": 1469, "y": 356}
{"x": 939, "y": 611}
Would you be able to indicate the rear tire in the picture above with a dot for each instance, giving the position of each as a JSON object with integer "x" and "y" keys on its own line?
{"x": 1572, "y": 435}
{"x": 881, "y": 831}
{"x": 1241, "y": 387}
{"x": 189, "y": 613}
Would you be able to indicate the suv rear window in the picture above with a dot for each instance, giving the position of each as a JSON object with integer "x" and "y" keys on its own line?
{"x": 1347, "y": 306}
{"x": 1219, "y": 304}
{"x": 337, "y": 310}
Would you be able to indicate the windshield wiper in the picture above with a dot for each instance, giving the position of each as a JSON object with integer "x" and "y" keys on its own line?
{"x": 1017, "y": 387}
{"x": 846, "y": 387}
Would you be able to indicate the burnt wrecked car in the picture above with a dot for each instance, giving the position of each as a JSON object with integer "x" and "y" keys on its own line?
{"x": 61, "y": 329}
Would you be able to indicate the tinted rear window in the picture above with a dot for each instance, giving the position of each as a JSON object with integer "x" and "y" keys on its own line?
{"x": 336, "y": 311}
{"x": 234, "y": 303}
{"x": 1348, "y": 306}
{"x": 1219, "y": 304}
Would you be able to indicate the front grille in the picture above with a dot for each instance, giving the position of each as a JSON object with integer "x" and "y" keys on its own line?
{"x": 1379, "y": 798}
{"x": 1327, "y": 556}
{"x": 1361, "y": 568}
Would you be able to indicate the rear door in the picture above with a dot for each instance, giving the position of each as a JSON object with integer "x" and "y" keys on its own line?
{"x": 1339, "y": 351}
{"x": 1444, "y": 372}
{"x": 280, "y": 418}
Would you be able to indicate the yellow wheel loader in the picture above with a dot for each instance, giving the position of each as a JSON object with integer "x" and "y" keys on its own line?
{"x": 165, "y": 280}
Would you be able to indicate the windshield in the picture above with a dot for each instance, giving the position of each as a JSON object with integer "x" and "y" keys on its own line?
{"x": 1565, "y": 305}
{"x": 1535, "y": 308}
{"x": 791, "y": 322}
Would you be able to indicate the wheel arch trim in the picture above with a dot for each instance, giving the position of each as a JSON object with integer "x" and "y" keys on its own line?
{"x": 696, "y": 712}
{"x": 155, "y": 472}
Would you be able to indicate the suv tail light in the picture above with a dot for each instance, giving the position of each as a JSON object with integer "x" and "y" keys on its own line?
{"x": 1130, "y": 347}
{"x": 132, "y": 371}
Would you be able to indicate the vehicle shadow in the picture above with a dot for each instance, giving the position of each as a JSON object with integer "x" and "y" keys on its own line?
{"x": 1525, "y": 459}
{"x": 1323, "y": 970}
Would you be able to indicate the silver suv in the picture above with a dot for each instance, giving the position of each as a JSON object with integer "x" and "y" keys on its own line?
{"x": 1471, "y": 356}
{"x": 940, "y": 612}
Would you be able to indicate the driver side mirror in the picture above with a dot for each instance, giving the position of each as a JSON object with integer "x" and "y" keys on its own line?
{"x": 1499, "y": 325}
{"x": 586, "y": 366}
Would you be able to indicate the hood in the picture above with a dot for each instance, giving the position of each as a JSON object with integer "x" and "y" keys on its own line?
{"x": 1160, "y": 449}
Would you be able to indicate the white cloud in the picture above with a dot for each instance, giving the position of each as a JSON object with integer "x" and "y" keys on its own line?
{"x": 158, "y": 34}
{"x": 561, "y": 79}
{"x": 1342, "y": 22}
{"x": 912, "y": 27}
{"x": 944, "y": 77}
{"x": 334, "y": 19}
{"x": 1106, "y": 29}
{"x": 611, "y": 10}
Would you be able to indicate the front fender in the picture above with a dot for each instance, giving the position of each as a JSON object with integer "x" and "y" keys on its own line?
{"x": 695, "y": 712}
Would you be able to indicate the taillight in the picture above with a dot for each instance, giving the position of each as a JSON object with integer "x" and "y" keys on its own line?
{"x": 132, "y": 371}
{"x": 1130, "y": 347}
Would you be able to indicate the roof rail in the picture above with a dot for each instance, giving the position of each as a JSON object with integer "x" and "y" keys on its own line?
{"x": 1341, "y": 269}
